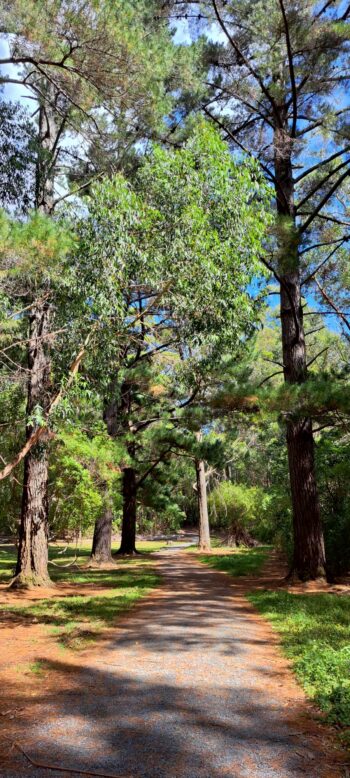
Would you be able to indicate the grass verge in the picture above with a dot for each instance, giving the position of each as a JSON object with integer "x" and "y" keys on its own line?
{"x": 314, "y": 631}
{"x": 237, "y": 562}
{"x": 315, "y": 635}
{"x": 75, "y": 620}
{"x": 63, "y": 556}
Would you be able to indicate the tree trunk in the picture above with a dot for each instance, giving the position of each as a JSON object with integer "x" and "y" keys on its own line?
{"x": 203, "y": 526}
{"x": 101, "y": 551}
{"x": 32, "y": 561}
{"x": 46, "y": 159}
{"x": 309, "y": 555}
{"x": 102, "y": 540}
{"x": 128, "y": 540}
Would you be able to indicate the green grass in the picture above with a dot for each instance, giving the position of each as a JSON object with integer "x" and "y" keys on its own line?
{"x": 238, "y": 562}
{"x": 315, "y": 634}
{"x": 75, "y": 620}
{"x": 37, "y": 668}
{"x": 147, "y": 546}
{"x": 8, "y": 560}
{"x": 214, "y": 542}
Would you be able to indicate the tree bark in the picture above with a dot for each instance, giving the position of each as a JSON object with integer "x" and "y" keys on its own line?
{"x": 203, "y": 526}
{"x": 128, "y": 539}
{"x": 102, "y": 541}
{"x": 309, "y": 554}
{"x": 32, "y": 561}
{"x": 114, "y": 414}
{"x": 101, "y": 551}
{"x": 46, "y": 157}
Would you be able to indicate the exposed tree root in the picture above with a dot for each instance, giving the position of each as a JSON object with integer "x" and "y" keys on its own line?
{"x": 135, "y": 552}
{"x": 31, "y": 581}
{"x": 71, "y": 770}
{"x": 293, "y": 577}
{"x": 100, "y": 562}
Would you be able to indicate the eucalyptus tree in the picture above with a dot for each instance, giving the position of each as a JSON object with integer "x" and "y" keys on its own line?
{"x": 174, "y": 254}
{"x": 276, "y": 85}
{"x": 203, "y": 518}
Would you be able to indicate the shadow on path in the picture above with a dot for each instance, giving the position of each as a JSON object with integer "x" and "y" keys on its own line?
{"x": 192, "y": 686}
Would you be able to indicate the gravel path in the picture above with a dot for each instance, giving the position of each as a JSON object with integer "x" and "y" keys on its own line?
{"x": 192, "y": 686}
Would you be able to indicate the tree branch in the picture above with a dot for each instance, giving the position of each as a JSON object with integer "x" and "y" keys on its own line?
{"x": 75, "y": 191}
{"x": 316, "y": 329}
{"x": 152, "y": 467}
{"x": 324, "y": 261}
{"x": 332, "y": 305}
{"x": 239, "y": 144}
{"x": 274, "y": 362}
{"x": 317, "y": 356}
{"x": 321, "y": 164}
{"x": 321, "y": 183}
{"x": 323, "y": 202}
{"x": 252, "y": 71}
{"x": 40, "y": 431}
{"x": 291, "y": 69}
{"x": 320, "y": 245}
{"x": 278, "y": 372}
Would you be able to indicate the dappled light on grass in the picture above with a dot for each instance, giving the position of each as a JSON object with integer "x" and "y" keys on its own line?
{"x": 315, "y": 634}
{"x": 238, "y": 562}
{"x": 75, "y": 573}
{"x": 75, "y": 620}
{"x": 72, "y": 618}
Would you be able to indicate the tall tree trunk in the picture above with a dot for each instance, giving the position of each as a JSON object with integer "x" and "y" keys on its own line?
{"x": 204, "y": 531}
{"x": 32, "y": 561}
{"x": 128, "y": 539}
{"x": 47, "y": 152}
{"x": 129, "y": 486}
{"x": 102, "y": 540}
{"x": 309, "y": 554}
{"x": 112, "y": 412}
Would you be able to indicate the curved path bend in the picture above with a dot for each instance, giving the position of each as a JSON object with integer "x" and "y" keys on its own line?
{"x": 192, "y": 686}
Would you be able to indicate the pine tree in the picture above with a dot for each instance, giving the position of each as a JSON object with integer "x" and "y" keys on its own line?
{"x": 275, "y": 74}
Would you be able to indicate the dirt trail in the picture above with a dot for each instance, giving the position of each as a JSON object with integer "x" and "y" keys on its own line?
{"x": 192, "y": 685}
